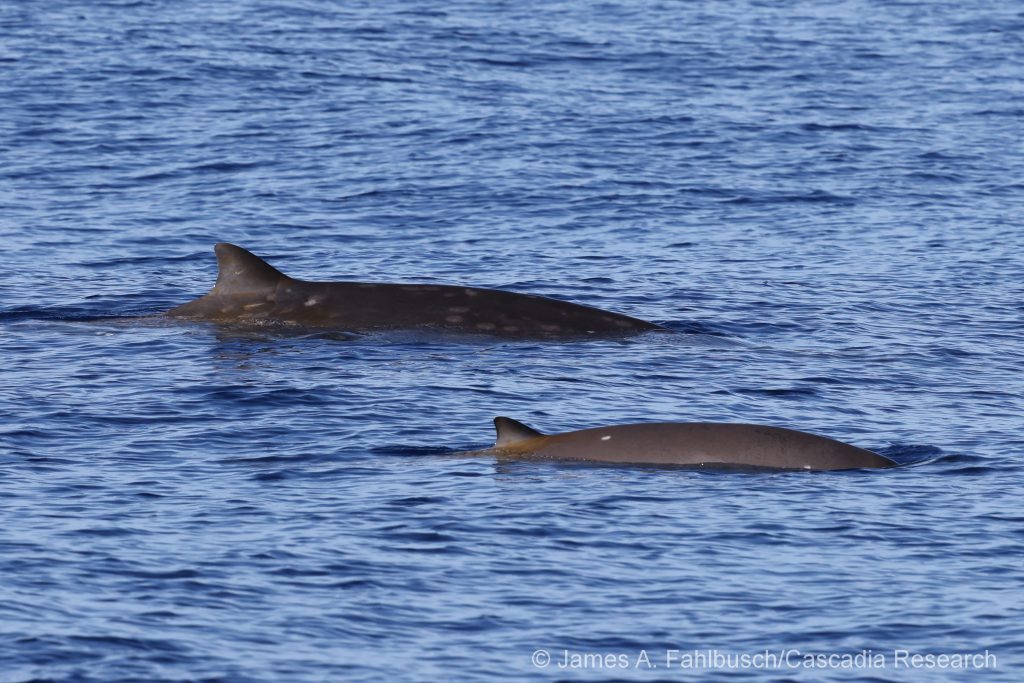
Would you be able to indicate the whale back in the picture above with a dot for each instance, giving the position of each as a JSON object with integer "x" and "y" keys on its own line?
{"x": 250, "y": 290}
{"x": 696, "y": 443}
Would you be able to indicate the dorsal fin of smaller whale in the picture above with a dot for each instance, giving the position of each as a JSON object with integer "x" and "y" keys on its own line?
{"x": 510, "y": 432}
{"x": 241, "y": 271}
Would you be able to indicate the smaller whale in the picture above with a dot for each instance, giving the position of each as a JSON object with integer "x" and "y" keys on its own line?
{"x": 250, "y": 290}
{"x": 703, "y": 444}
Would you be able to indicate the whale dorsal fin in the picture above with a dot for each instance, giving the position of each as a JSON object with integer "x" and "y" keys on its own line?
{"x": 510, "y": 431}
{"x": 241, "y": 271}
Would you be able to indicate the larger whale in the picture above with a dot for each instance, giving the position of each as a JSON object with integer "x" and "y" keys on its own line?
{"x": 703, "y": 444}
{"x": 250, "y": 290}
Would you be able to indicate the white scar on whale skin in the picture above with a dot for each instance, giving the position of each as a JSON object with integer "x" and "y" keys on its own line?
{"x": 248, "y": 290}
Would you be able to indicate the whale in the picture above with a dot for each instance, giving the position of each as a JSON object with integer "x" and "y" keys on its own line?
{"x": 249, "y": 290}
{"x": 698, "y": 444}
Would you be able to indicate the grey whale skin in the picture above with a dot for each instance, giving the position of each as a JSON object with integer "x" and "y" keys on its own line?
{"x": 250, "y": 290}
{"x": 708, "y": 444}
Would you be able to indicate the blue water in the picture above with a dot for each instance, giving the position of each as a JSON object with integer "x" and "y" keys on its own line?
{"x": 826, "y": 197}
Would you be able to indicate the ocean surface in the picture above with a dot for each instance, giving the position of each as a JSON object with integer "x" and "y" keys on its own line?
{"x": 825, "y": 201}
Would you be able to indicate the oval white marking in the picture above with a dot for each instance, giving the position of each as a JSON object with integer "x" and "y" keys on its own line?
{"x": 605, "y": 438}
